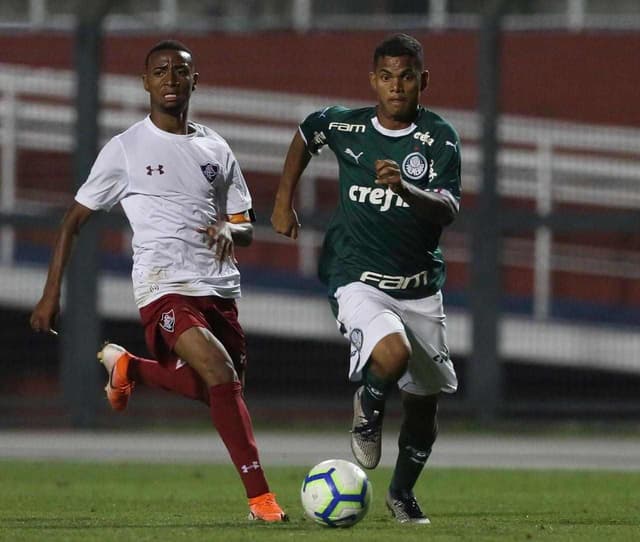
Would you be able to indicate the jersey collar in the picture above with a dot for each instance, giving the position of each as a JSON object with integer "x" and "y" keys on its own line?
{"x": 392, "y": 133}
{"x": 168, "y": 135}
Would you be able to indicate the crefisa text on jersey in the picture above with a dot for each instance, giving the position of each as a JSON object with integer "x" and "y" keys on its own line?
{"x": 376, "y": 196}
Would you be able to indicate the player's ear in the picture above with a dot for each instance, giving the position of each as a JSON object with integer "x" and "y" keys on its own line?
{"x": 372, "y": 81}
{"x": 196, "y": 75}
{"x": 424, "y": 80}
{"x": 145, "y": 82}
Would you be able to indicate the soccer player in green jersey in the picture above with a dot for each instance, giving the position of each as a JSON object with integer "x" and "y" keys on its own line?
{"x": 399, "y": 177}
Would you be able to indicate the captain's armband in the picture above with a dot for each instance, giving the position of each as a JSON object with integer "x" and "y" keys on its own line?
{"x": 242, "y": 218}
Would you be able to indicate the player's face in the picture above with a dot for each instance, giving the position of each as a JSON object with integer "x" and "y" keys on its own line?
{"x": 398, "y": 82}
{"x": 170, "y": 79}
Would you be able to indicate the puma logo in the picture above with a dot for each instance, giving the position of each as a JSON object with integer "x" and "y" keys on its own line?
{"x": 451, "y": 144}
{"x": 355, "y": 156}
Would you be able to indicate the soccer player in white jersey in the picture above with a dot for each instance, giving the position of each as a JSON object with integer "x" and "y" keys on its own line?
{"x": 188, "y": 205}
{"x": 399, "y": 185}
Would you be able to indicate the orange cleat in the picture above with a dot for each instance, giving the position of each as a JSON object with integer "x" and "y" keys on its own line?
{"x": 119, "y": 387}
{"x": 265, "y": 508}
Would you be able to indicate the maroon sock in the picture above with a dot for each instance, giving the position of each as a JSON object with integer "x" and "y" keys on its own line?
{"x": 231, "y": 418}
{"x": 183, "y": 380}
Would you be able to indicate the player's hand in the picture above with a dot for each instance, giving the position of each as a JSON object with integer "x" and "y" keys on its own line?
{"x": 285, "y": 221}
{"x": 220, "y": 235}
{"x": 45, "y": 314}
{"x": 388, "y": 174}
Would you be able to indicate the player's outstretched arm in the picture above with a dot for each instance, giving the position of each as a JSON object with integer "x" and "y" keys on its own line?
{"x": 47, "y": 309}
{"x": 284, "y": 218}
{"x": 436, "y": 207}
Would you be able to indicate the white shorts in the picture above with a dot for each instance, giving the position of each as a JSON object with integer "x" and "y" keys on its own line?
{"x": 366, "y": 315}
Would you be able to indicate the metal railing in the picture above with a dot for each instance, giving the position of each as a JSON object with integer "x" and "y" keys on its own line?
{"x": 547, "y": 162}
{"x": 305, "y": 15}
{"x": 543, "y": 162}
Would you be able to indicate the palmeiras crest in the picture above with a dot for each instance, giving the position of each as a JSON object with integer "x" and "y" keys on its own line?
{"x": 168, "y": 321}
{"x": 210, "y": 171}
{"x": 414, "y": 166}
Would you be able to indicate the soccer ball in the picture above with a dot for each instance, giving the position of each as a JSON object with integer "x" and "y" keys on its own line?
{"x": 336, "y": 493}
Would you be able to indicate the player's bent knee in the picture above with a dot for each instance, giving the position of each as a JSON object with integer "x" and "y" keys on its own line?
{"x": 213, "y": 368}
{"x": 206, "y": 355}
{"x": 389, "y": 369}
{"x": 218, "y": 371}
{"x": 391, "y": 356}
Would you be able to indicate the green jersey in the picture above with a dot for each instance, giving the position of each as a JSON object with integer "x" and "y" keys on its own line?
{"x": 374, "y": 237}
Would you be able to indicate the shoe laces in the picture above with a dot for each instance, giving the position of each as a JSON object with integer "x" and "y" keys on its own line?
{"x": 413, "y": 506}
{"x": 410, "y": 506}
{"x": 368, "y": 429}
{"x": 268, "y": 499}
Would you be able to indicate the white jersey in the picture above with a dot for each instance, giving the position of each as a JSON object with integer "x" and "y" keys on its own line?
{"x": 169, "y": 185}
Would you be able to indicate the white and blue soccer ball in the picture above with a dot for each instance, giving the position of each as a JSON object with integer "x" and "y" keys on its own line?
{"x": 336, "y": 493}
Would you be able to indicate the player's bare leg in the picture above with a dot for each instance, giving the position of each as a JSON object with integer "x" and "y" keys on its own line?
{"x": 387, "y": 363}
{"x": 206, "y": 354}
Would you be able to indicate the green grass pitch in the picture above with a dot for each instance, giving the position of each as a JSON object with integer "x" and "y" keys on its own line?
{"x": 65, "y": 501}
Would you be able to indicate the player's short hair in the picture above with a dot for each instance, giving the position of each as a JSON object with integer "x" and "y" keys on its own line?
{"x": 399, "y": 45}
{"x": 172, "y": 45}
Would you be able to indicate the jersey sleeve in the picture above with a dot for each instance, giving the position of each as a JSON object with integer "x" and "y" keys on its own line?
{"x": 107, "y": 182}
{"x": 238, "y": 198}
{"x": 315, "y": 128}
{"x": 446, "y": 166}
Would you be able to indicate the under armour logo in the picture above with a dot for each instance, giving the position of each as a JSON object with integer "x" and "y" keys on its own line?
{"x": 355, "y": 156}
{"x": 159, "y": 169}
{"x": 246, "y": 468}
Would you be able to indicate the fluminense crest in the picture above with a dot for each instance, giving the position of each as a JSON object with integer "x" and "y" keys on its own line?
{"x": 210, "y": 171}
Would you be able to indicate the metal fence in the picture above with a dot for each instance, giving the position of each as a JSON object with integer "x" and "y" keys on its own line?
{"x": 308, "y": 15}
{"x": 569, "y": 308}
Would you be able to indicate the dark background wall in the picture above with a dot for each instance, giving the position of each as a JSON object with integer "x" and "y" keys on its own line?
{"x": 599, "y": 82}
{"x": 584, "y": 77}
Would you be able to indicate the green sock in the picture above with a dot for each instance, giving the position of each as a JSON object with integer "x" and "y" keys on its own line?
{"x": 417, "y": 435}
{"x": 375, "y": 393}
{"x": 409, "y": 465}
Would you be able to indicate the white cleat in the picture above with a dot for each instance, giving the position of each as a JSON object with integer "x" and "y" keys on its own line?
{"x": 405, "y": 509}
{"x": 366, "y": 434}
